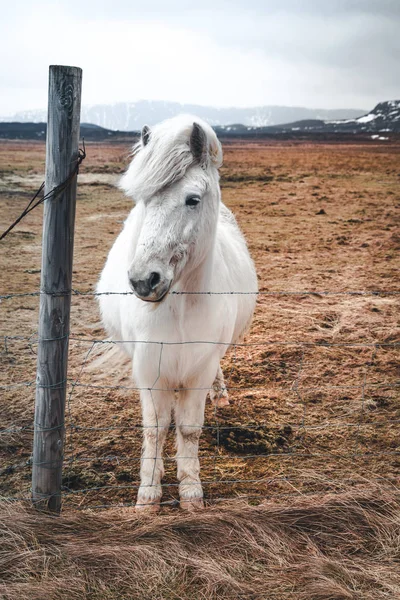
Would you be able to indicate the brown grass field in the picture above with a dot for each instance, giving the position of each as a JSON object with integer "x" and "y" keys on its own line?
{"x": 301, "y": 471}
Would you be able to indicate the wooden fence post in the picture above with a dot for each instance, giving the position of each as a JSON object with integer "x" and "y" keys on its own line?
{"x": 62, "y": 152}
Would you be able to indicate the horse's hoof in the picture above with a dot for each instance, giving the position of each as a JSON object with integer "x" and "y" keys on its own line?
{"x": 146, "y": 509}
{"x": 220, "y": 401}
{"x": 219, "y": 395}
{"x": 192, "y": 504}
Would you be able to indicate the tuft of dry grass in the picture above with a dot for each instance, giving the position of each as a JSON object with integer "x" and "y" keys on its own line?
{"x": 332, "y": 547}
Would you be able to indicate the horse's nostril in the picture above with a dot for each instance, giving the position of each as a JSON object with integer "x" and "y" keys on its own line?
{"x": 134, "y": 284}
{"x": 154, "y": 280}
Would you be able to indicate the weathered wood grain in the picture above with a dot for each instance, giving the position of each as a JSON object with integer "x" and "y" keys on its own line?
{"x": 56, "y": 280}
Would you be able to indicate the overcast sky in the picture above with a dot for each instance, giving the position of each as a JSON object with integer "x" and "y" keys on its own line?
{"x": 314, "y": 53}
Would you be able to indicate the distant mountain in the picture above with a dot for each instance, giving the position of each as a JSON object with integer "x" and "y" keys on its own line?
{"x": 37, "y": 131}
{"x": 383, "y": 119}
{"x": 131, "y": 116}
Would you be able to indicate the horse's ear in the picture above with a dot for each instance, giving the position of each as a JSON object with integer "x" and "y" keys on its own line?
{"x": 198, "y": 144}
{"x": 145, "y": 135}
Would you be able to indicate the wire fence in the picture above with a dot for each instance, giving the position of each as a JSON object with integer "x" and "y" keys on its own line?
{"x": 323, "y": 432}
{"x": 305, "y": 415}
{"x": 38, "y": 198}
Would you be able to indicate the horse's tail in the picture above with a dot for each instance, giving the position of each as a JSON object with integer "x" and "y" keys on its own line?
{"x": 108, "y": 359}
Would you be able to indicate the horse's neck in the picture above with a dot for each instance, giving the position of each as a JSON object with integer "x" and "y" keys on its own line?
{"x": 199, "y": 278}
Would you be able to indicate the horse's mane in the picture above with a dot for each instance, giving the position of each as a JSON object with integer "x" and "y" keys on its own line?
{"x": 166, "y": 157}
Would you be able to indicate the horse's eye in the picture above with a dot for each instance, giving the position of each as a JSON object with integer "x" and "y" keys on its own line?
{"x": 192, "y": 200}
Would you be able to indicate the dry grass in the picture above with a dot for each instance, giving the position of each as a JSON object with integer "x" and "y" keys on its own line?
{"x": 344, "y": 547}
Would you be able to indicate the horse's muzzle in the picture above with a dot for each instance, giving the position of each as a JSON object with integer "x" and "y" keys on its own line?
{"x": 151, "y": 289}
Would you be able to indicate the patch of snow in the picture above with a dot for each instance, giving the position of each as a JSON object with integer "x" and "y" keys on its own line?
{"x": 378, "y": 137}
{"x": 366, "y": 118}
{"x": 340, "y": 122}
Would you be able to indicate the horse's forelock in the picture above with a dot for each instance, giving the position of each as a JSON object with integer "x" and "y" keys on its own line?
{"x": 166, "y": 157}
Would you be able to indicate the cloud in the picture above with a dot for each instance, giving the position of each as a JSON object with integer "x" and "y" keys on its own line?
{"x": 319, "y": 54}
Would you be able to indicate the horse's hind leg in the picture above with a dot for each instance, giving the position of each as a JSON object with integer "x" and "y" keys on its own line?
{"x": 219, "y": 393}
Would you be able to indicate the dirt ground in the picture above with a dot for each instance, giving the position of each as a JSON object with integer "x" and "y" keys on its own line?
{"x": 314, "y": 392}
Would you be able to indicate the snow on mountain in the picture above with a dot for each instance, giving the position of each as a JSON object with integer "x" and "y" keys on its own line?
{"x": 384, "y": 117}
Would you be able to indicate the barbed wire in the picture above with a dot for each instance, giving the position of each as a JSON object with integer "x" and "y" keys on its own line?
{"x": 293, "y": 426}
{"x": 207, "y": 457}
{"x": 321, "y": 343}
{"x": 278, "y": 293}
{"x": 53, "y": 193}
{"x": 209, "y": 501}
{"x": 285, "y": 479}
{"x": 193, "y": 389}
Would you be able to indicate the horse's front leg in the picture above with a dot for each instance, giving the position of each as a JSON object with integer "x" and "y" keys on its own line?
{"x": 189, "y": 418}
{"x": 156, "y": 415}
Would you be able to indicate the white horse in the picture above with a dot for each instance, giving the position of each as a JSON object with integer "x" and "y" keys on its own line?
{"x": 178, "y": 243}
